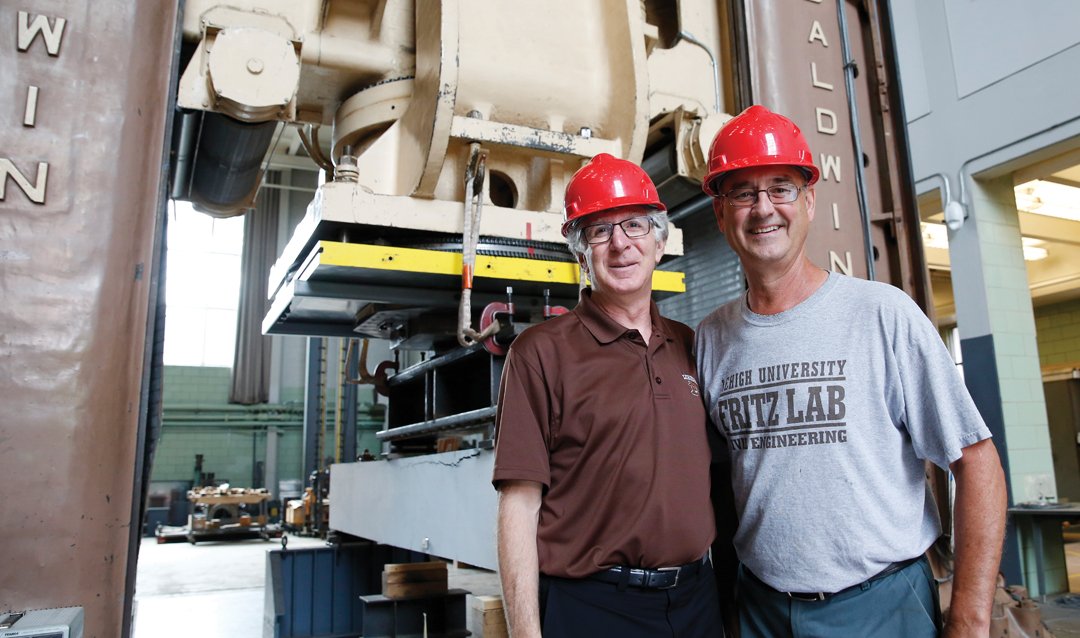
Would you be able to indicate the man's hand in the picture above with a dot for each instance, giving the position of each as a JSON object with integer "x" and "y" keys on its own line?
{"x": 519, "y": 516}
{"x": 979, "y": 526}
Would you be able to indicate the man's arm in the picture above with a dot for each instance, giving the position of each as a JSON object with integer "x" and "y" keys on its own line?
{"x": 519, "y": 570}
{"x": 979, "y": 527}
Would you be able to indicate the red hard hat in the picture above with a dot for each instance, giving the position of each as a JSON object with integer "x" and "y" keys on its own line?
{"x": 757, "y": 137}
{"x": 607, "y": 182}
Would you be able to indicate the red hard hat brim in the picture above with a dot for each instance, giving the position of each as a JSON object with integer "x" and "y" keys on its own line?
{"x": 711, "y": 183}
{"x": 757, "y": 137}
{"x": 604, "y": 183}
{"x": 603, "y": 207}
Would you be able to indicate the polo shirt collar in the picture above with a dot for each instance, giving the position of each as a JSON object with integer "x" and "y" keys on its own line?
{"x": 603, "y": 327}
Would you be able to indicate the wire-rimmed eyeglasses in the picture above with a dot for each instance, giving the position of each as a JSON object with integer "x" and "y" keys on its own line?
{"x": 633, "y": 227}
{"x": 778, "y": 194}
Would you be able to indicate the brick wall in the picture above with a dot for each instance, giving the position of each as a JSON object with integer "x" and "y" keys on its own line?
{"x": 1058, "y": 332}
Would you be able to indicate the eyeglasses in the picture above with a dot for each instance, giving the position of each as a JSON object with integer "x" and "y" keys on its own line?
{"x": 779, "y": 194}
{"x": 633, "y": 227}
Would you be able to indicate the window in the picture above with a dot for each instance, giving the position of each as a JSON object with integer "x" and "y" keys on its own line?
{"x": 202, "y": 287}
{"x": 951, "y": 336}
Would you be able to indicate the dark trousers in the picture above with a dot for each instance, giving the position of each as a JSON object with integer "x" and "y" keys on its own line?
{"x": 901, "y": 605}
{"x": 571, "y": 607}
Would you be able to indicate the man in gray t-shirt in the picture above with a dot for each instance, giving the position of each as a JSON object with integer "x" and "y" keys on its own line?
{"x": 829, "y": 393}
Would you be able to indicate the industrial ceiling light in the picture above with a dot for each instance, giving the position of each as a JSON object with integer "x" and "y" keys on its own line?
{"x": 1033, "y": 250}
{"x": 1049, "y": 198}
{"x": 955, "y": 215}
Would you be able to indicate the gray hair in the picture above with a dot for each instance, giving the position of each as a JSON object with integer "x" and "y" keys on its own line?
{"x": 576, "y": 237}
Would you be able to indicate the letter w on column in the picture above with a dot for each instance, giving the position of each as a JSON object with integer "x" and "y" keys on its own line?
{"x": 52, "y": 34}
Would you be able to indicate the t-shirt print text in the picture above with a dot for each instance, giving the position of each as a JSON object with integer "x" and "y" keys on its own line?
{"x": 784, "y": 405}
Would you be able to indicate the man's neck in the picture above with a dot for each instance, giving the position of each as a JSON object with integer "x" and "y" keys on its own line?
{"x": 630, "y": 312}
{"x": 775, "y": 290}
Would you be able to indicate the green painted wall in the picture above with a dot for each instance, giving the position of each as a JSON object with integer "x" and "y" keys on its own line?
{"x": 198, "y": 419}
{"x": 191, "y": 385}
{"x": 1058, "y": 332}
{"x": 229, "y": 451}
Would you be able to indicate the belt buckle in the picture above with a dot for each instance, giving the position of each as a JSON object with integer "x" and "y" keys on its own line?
{"x": 806, "y": 597}
{"x": 670, "y": 569}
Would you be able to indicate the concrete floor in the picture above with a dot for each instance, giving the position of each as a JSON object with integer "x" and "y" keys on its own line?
{"x": 1061, "y": 614}
{"x": 1072, "y": 566}
{"x": 216, "y": 590}
{"x": 207, "y": 590}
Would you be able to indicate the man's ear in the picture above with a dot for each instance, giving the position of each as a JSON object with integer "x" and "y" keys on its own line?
{"x": 584, "y": 263}
{"x": 810, "y": 201}
{"x": 718, "y": 210}
{"x": 660, "y": 246}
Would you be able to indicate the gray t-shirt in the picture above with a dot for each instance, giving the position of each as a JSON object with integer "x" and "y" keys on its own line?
{"x": 827, "y": 410}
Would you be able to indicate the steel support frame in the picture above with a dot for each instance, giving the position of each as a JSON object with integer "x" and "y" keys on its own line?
{"x": 349, "y": 397}
{"x": 312, "y": 389}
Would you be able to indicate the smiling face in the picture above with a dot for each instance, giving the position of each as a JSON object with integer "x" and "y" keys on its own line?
{"x": 766, "y": 235}
{"x": 623, "y": 266}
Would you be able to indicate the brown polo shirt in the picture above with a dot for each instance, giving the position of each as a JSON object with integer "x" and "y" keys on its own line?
{"x": 615, "y": 431}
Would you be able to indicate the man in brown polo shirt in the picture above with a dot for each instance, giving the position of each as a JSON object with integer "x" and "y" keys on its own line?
{"x": 601, "y": 457}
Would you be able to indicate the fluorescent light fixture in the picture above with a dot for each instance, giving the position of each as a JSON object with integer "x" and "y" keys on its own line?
{"x": 1048, "y": 198}
{"x": 937, "y": 236}
{"x": 1033, "y": 250}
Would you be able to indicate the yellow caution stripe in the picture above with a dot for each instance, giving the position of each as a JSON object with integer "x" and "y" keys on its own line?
{"x": 438, "y": 262}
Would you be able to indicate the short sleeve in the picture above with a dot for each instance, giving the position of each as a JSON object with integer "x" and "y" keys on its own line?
{"x": 938, "y": 411}
{"x": 522, "y": 424}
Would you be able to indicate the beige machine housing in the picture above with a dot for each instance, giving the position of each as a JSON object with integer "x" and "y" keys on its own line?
{"x": 407, "y": 87}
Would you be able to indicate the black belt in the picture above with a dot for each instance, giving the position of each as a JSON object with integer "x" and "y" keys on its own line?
{"x": 663, "y": 578}
{"x": 810, "y": 596}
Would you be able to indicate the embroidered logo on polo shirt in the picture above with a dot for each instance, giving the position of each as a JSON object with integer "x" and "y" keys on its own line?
{"x": 692, "y": 382}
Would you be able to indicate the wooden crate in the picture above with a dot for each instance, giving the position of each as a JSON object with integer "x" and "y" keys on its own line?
{"x": 488, "y": 618}
{"x": 406, "y": 580}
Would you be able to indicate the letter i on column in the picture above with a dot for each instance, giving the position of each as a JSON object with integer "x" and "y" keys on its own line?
{"x": 30, "y": 114}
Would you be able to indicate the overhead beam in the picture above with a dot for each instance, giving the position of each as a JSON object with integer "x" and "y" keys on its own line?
{"x": 1050, "y": 229}
{"x": 1040, "y": 170}
{"x": 1064, "y": 181}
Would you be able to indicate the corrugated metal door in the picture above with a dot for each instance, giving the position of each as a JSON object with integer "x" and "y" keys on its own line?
{"x": 714, "y": 275}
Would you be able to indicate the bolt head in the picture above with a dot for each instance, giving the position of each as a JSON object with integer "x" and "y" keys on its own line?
{"x": 255, "y": 66}
{"x": 586, "y": 132}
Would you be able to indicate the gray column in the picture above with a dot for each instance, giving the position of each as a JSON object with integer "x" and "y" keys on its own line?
{"x": 349, "y": 415}
{"x": 272, "y": 462}
{"x": 312, "y": 389}
{"x": 1001, "y": 360}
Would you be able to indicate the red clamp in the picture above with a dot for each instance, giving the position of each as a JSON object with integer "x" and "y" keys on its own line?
{"x": 488, "y": 318}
